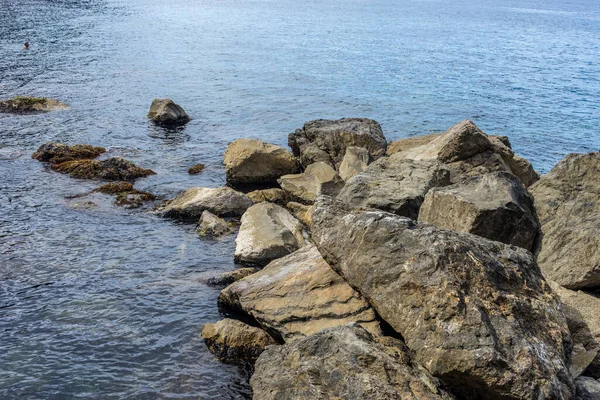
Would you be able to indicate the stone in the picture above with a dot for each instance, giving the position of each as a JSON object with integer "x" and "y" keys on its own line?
{"x": 196, "y": 169}
{"x": 496, "y": 206}
{"x": 354, "y": 162}
{"x": 273, "y": 195}
{"x": 587, "y": 388}
{"x": 253, "y": 162}
{"x": 56, "y": 153}
{"x": 212, "y": 226}
{"x": 165, "y": 112}
{"x": 318, "y": 178}
{"x": 345, "y": 362}
{"x": 267, "y": 232}
{"x": 395, "y": 185}
{"x": 327, "y": 140}
{"x": 296, "y": 296}
{"x": 191, "y": 203}
{"x": 235, "y": 342}
{"x": 408, "y": 143}
{"x": 111, "y": 169}
{"x": 301, "y": 211}
{"x": 583, "y": 316}
{"x": 476, "y": 313}
{"x": 125, "y": 194}
{"x": 227, "y": 278}
{"x": 28, "y": 105}
{"x": 567, "y": 200}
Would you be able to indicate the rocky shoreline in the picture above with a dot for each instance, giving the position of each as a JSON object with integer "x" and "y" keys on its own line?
{"x": 438, "y": 267}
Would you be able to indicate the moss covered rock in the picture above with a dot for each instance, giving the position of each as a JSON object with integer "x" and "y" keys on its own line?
{"x": 24, "y": 105}
{"x": 56, "y": 153}
{"x": 112, "y": 169}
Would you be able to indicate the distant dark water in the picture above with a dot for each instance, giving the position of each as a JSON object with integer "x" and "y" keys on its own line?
{"x": 106, "y": 303}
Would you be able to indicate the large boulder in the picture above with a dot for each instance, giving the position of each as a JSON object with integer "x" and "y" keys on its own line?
{"x": 111, "y": 169}
{"x": 191, "y": 203}
{"x": 496, "y": 206}
{"x": 296, "y": 296}
{"x": 235, "y": 342}
{"x": 212, "y": 226}
{"x": 56, "y": 153}
{"x": 395, "y": 185}
{"x": 355, "y": 161}
{"x": 267, "y": 232}
{"x": 318, "y": 178}
{"x": 476, "y": 313}
{"x": 253, "y": 162}
{"x": 342, "y": 363}
{"x": 165, "y": 112}
{"x": 28, "y": 105}
{"x": 327, "y": 141}
{"x": 567, "y": 200}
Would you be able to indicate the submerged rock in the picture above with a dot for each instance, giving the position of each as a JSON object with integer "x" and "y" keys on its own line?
{"x": 235, "y": 342}
{"x": 327, "y": 141}
{"x": 165, "y": 112}
{"x": 567, "y": 200}
{"x": 274, "y": 195}
{"x": 342, "y": 363}
{"x": 56, "y": 153}
{"x": 476, "y": 313}
{"x": 111, "y": 169}
{"x": 355, "y": 161}
{"x": 318, "y": 178}
{"x": 496, "y": 206}
{"x": 27, "y": 105}
{"x": 227, "y": 278}
{"x": 267, "y": 232}
{"x": 125, "y": 194}
{"x": 211, "y": 225}
{"x": 251, "y": 161}
{"x": 298, "y": 295}
{"x": 191, "y": 203}
{"x": 196, "y": 169}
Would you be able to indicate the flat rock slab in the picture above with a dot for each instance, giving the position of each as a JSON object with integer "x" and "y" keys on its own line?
{"x": 191, "y": 203}
{"x": 318, "y": 178}
{"x": 476, "y": 313}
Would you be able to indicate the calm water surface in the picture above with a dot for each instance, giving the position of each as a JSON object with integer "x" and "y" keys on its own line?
{"x": 107, "y": 303}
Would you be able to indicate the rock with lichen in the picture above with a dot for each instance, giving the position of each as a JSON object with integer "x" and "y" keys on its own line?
{"x": 196, "y": 169}
{"x": 125, "y": 194}
{"x": 28, "y": 105}
{"x": 56, "y": 153}
{"x": 111, "y": 169}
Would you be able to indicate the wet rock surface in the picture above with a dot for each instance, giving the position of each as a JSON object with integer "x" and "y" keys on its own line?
{"x": 167, "y": 113}
{"x": 227, "y": 278}
{"x": 56, "y": 153}
{"x": 28, "y": 105}
{"x": 212, "y": 226}
{"x": 318, "y": 178}
{"x": 191, "y": 203}
{"x": 125, "y": 194}
{"x": 196, "y": 169}
{"x": 111, "y": 169}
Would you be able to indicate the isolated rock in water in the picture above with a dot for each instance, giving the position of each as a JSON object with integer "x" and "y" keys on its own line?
{"x": 327, "y": 141}
{"x": 56, "y": 153}
{"x": 476, "y": 313}
{"x": 227, "y": 278}
{"x": 587, "y": 388}
{"x": 495, "y": 206}
{"x": 125, "y": 194}
{"x": 223, "y": 202}
{"x": 567, "y": 200}
{"x": 196, "y": 169}
{"x": 301, "y": 211}
{"x": 27, "y": 105}
{"x": 298, "y": 295}
{"x": 318, "y": 178}
{"x": 408, "y": 143}
{"x": 267, "y": 232}
{"x": 583, "y": 316}
{"x": 111, "y": 169}
{"x": 394, "y": 184}
{"x": 274, "y": 195}
{"x": 211, "y": 225}
{"x": 355, "y": 161}
{"x": 342, "y": 363}
{"x": 235, "y": 342}
{"x": 165, "y": 112}
{"x": 251, "y": 161}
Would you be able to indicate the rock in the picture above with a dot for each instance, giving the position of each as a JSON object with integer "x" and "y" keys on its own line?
{"x": 211, "y": 225}
{"x": 235, "y": 342}
{"x": 518, "y": 165}
{"x": 408, "y": 143}
{"x": 327, "y": 141}
{"x": 56, "y": 153}
{"x": 125, "y": 194}
{"x": 355, "y": 161}
{"x": 28, "y": 105}
{"x": 496, "y": 206}
{"x": 111, "y": 169}
{"x": 196, "y": 169}
{"x": 296, "y": 296}
{"x": 274, "y": 195}
{"x": 583, "y": 316}
{"x": 302, "y": 212}
{"x": 587, "y": 388}
{"x": 267, "y": 232}
{"x": 476, "y": 313}
{"x": 567, "y": 200}
{"x": 394, "y": 184}
{"x": 318, "y": 178}
{"x": 227, "y": 278}
{"x": 341, "y": 363}
{"x": 251, "y": 162}
{"x": 191, "y": 203}
{"x": 165, "y": 112}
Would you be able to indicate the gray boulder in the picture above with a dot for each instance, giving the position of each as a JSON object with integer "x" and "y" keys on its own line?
{"x": 355, "y": 161}
{"x": 342, "y": 363}
{"x": 476, "y": 313}
{"x": 212, "y": 226}
{"x": 191, "y": 203}
{"x": 165, "y": 112}
{"x": 296, "y": 296}
{"x": 567, "y": 200}
{"x": 496, "y": 206}
{"x": 587, "y": 388}
{"x": 395, "y": 185}
{"x": 318, "y": 178}
{"x": 267, "y": 232}
{"x": 327, "y": 141}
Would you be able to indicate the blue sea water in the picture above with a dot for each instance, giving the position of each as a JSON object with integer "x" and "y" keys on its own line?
{"x": 108, "y": 303}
